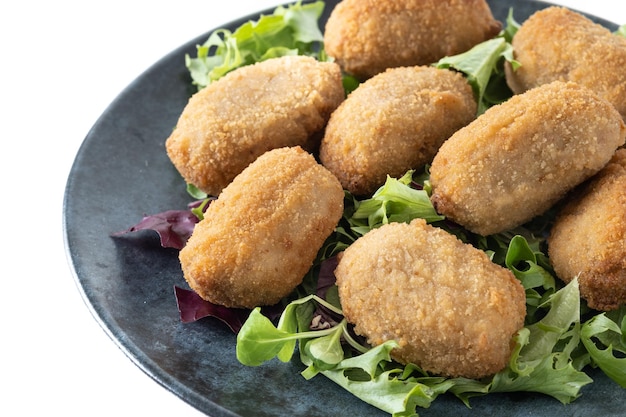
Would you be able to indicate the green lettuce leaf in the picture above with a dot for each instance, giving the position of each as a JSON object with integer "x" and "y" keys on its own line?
{"x": 395, "y": 201}
{"x": 553, "y": 374}
{"x": 483, "y": 66}
{"x": 393, "y": 390}
{"x": 259, "y": 341}
{"x": 604, "y": 336}
{"x": 545, "y": 357}
{"x": 621, "y": 31}
{"x": 538, "y": 281}
{"x": 543, "y": 360}
{"x": 291, "y": 30}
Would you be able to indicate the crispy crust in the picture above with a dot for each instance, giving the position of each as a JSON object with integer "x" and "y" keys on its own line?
{"x": 368, "y": 36}
{"x": 588, "y": 238}
{"x": 519, "y": 158}
{"x": 393, "y": 122}
{"x": 275, "y": 103}
{"x": 559, "y": 44}
{"x": 452, "y": 310}
{"x": 260, "y": 237}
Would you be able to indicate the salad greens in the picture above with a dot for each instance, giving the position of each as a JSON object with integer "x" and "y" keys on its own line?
{"x": 393, "y": 202}
{"x": 561, "y": 336}
{"x": 604, "y": 337}
{"x": 174, "y": 227}
{"x": 291, "y": 30}
{"x": 483, "y": 66}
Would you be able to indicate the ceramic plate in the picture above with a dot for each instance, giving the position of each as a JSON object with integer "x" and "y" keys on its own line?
{"x": 121, "y": 172}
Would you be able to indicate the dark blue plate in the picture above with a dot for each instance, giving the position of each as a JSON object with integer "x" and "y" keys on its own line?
{"x": 122, "y": 172}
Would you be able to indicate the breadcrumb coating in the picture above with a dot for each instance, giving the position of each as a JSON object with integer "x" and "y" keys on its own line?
{"x": 260, "y": 237}
{"x": 393, "y": 122}
{"x": 452, "y": 311}
{"x": 368, "y": 36}
{"x": 519, "y": 158}
{"x": 228, "y": 124}
{"x": 560, "y": 44}
{"x": 588, "y": 238}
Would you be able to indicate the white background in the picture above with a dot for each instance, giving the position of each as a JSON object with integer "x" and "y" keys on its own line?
{"x": 61, "y": 64}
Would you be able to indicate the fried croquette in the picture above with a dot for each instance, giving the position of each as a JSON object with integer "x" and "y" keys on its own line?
{"x": 260, "y": 237}
{"x": 393, "y": 122}
{"x": 588, "y": 238}
{"x": 560, "y": 44}
{"x": 452, "y": 311}
{"x": 519, "y": 158}
{"x": 368, "y": 36}
{"x": 275, "y": 103}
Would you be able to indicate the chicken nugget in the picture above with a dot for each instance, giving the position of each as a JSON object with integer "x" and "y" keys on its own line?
{"x": 262, "y": 234}
{"x": 393, "y": 122}
{"x": 452, "y": 311}
{"x": 275, "y": 103}
{"x": 368, "y": 36}
{"x": 559, "y": 44}
{"x": 588, "y": 238}
{"x": 519, "y": 158}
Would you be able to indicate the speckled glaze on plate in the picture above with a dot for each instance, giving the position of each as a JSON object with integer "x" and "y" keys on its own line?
{"x": 122, "y": 172}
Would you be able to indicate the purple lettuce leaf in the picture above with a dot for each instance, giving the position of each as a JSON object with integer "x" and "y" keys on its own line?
{"x": 192, "y": 307}
{"x": 323, "y": 317}
{"x": 326, "y": 277}
{"x": 173, "y": 227}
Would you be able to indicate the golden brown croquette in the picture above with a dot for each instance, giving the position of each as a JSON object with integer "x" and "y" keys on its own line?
{"x": 560, "y": 44}
{"x": 588, "y": 238}
{"x": 275, "y": 103}
{"x": 519, "y": 158}
{"x": 260, "y": 237}
{"x": 393, "y": 122}
{"x": 452, "y": 311}
{"x": 368, "y": 36}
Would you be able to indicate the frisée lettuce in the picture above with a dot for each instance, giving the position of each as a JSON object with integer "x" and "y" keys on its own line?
{"x": 483, "y": 66}
{"x": 395, "y": 201}
{"x": 291, "y": 30}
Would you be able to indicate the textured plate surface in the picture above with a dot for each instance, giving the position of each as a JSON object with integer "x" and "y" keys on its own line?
{"x": 121, "y": 172}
